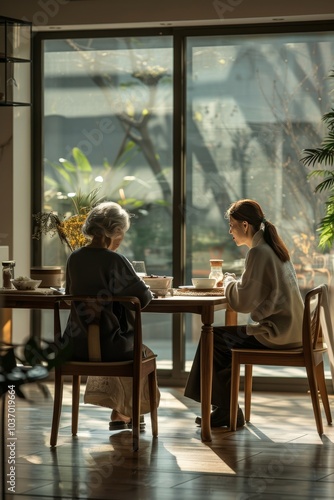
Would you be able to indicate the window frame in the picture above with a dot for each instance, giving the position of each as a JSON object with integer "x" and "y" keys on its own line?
{"x": 177, "y": 375}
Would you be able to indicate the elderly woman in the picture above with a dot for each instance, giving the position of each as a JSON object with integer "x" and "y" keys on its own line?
{"x": 267, "y": 290}
{"x": 98, "y": 269}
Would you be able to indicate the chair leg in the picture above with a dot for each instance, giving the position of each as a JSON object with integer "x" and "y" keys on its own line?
{"x": 315, "y": 398}
{"x": 136, "y": 392}
{"x": 248, "y": 385}
{"x": 235, "y": 383}
{"x": 319, "y": 371}
{"x": 57, "y": 403}
{"x": 75, "y": 403}
{"x": 152, "y": 384}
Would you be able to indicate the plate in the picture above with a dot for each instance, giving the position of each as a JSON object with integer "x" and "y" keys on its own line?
{"x": 194, "y": 291}
{"x": 192, "y": 287}
{"x": 37, "y": 291}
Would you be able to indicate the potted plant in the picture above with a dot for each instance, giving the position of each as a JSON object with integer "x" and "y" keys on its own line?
{"x": 324, "y": 155}
{"x": 32, "y": 364}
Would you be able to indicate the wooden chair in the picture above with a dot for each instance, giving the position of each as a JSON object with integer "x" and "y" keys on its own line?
{"x": 137, "y": 369}
{"x": 310, "y": 356}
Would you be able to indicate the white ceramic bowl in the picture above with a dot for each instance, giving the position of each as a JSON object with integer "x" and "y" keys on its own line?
{"x": 26, "y": 284}
{"x": 158, "y": 284}
{"x": 203, "y": 282}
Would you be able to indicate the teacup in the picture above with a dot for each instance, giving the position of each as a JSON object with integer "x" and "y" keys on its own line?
{"x": 203, "y": 282}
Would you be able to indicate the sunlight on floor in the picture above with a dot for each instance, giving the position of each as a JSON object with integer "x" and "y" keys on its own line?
{"x": 202, "y": 460}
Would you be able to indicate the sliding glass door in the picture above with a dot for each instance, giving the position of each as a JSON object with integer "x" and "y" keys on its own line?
{"x": 246, "y": 104}
{"x": 107, "y": 134}
{"x": 253, "y": 104}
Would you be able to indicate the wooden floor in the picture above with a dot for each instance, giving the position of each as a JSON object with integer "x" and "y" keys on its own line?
{"x": 279, "y": 455}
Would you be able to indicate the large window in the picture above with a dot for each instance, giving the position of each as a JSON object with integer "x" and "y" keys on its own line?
{"x": 252, "y": 103}
{"x": 107, "y": 130}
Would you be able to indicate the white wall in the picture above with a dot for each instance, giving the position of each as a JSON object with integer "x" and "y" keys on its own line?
{"x": 21, "y": 209}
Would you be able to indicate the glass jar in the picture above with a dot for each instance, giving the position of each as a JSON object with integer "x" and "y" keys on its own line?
{"x": 216, "y": 272}
{"x": 7, "y": 273}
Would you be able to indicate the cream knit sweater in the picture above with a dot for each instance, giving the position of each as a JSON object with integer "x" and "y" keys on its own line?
{"x": 268, "y": 290}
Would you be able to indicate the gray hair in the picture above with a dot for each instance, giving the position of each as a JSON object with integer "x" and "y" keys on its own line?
{"x": 106, "y": 219}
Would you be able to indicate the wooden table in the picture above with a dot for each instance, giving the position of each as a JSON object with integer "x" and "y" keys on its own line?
{"x": 204, "y": 306}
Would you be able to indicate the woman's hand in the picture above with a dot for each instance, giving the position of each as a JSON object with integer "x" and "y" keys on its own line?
{"x": 228, "y": 278}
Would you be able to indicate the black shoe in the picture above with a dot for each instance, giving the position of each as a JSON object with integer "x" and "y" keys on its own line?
{"x": 142, "y": 424}
{"x": 118, "y": 425}
{"x": 221, "y": 418}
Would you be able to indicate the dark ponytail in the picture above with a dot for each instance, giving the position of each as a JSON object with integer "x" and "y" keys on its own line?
{"x": 251, "y": 212}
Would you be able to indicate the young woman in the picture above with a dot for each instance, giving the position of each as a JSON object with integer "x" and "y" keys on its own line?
{"x": 267, "y": 290}
{"x": 97, "y": 269}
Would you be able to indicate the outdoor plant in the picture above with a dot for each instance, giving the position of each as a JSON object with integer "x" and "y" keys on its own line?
{"x": 87, "y": 187}
{"x": 324, "y": 155}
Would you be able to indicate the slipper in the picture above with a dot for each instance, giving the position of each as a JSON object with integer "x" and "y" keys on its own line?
{"x": 117, "y": 425}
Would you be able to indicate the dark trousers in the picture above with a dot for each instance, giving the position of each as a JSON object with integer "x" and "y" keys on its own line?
{"x": 225, "y": 338}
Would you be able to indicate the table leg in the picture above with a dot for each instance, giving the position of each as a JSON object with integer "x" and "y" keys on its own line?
{"x": 206, "y": 379}
{"x": 207, "y": 365}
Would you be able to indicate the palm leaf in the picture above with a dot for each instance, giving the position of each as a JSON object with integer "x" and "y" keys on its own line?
{"x": 318, "y": 155}
{"x": 328, "y": 141}
{"x": 328, "y": 118}
{"x": 322, "y": 172}
{"x": 326, "y": 226}
{"x": 325, "y": 185}
{"x": 324, "y": 155}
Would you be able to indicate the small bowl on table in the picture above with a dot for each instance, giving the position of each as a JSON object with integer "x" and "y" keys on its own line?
{"x": 159, "y": 285}
{"x": 203, "y": 283}
{"x": 27, "y": 284}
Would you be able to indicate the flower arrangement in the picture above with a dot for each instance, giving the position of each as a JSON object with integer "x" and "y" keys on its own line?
{"x": 68, "y": 229}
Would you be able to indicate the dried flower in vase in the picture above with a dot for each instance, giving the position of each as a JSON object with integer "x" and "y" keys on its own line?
{"x": 69, "y": 229}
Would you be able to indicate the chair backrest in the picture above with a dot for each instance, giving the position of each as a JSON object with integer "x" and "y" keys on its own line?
{"x": 312, "y": 332}
{"x": 91, "y": 307}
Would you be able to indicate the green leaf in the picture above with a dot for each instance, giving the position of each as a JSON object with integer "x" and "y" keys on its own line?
{"x": 317, "y": 155}
{"x": 324, "y": 186}
{"x": 84, "y": 202}
{"x": 322, "y": 172}
{"x": 131, "y": 201}
{"x": 81, "y": 160}
{"x": 126, "y": 153}
{"x": 63, "y": 173}
{"x": 51, "y": 182}
{"x": 67, "y": 165}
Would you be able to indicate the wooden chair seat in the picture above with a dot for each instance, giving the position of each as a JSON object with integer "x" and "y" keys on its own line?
{"x": 310, "y": 356}
{"x": 137, "y": 369}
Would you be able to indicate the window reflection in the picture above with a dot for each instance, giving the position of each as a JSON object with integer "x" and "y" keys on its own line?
{"x": 253, "y": 104}
{"x": 107, "y": 127}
